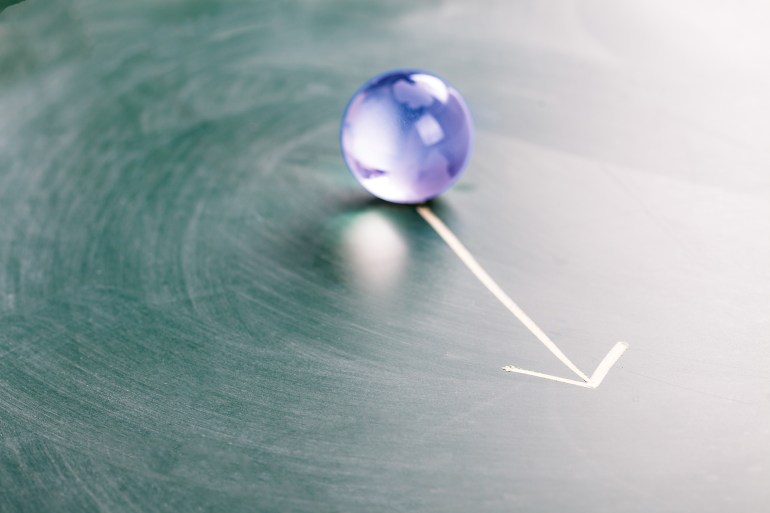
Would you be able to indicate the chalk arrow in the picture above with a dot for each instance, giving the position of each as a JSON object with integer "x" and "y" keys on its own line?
{"x": 470, "y": 262}
{"x": 596, "y": 378}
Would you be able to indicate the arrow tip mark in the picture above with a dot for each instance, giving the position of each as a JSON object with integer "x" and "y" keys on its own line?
{"x": 606, "y": 364}
{"x": 596, "y": 378}
{"x": 584, "y": 384}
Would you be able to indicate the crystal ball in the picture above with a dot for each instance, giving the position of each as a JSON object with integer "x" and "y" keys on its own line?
{"x": 406, "y": 136}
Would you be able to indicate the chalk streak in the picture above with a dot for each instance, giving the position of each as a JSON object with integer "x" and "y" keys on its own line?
{"x": 511, "y": 368}
{"x": 461, "y": 251}
{"x": 596, "y": 378}
{"x": 606, "y": 364}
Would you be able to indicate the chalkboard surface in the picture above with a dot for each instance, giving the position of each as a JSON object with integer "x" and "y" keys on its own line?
{"x": 201, "y": 310}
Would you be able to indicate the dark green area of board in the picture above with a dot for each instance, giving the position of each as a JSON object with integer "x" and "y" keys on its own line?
{"x": 200, "y": 310}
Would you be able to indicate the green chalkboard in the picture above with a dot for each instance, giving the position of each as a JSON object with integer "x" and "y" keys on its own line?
{"x": 201, "y": 310}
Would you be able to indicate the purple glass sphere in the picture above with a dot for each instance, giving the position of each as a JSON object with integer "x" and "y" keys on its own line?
{"x": 406, "y": 136}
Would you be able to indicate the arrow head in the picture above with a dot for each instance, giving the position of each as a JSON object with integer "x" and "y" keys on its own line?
{"x": 596, "y": 378}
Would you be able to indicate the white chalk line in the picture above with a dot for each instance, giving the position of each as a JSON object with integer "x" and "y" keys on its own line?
{"x": 606, "y": 364}
{"x": 596, "y": 378}
{"x": 472, "y": 264}
{"x": 585, "y": 384}
{"x": 461, "y": 251}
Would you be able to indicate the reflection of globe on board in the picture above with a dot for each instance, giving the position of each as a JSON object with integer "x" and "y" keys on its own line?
{"x": 406, "y": 136}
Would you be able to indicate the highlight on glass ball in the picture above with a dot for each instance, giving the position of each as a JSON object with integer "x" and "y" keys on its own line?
{"x": 406, "y": 136}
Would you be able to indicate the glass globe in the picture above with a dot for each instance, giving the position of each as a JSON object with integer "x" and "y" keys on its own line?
{"x": 406, "y": 136}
